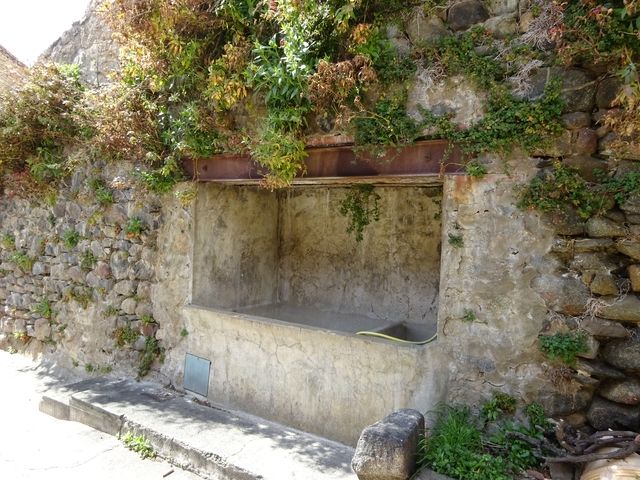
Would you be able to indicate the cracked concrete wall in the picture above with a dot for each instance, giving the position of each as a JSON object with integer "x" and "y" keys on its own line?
{"x": 328, "y": 383}
{"x": 392, "y": 274}
{"x": 236, "y": 247}
{"x": 255, "y": 247}
{"x": 491, "y": 275}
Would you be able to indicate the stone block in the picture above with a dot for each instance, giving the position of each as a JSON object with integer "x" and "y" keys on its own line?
{"x": 561, "y": 404}
{"x": 625, "y": 391}
{"x": 625, "y": 309}
{"x": 466, "y": 13}
{"x": 426, "y": 474}
{"x": 601, "y": 328}
{"x": 387, "y": 450}
{"x": 567, "y": 295}
{"x": 42, "y": 329}
{"x": 576, "y": 120}
{"x": 603, "y": 284}
{"x": 599, "y": 227}
{"x": 598, "y": 369}
{"x": 593, "y": 346}
{"x": 586, "y": 142}
{"x": 604, "y": 414}
{"x": 578, "y": 87}
{"x": 422, "y": 29}
{"x": 501, "y": 7}
{"x": 623, "y": 354}
{"x": 607, "y": 92}
{"x": 502, "y": 26}
{"x": 634, "y": 277}
{"x": 128, "y": 306}
{"x": 630, "y": 247}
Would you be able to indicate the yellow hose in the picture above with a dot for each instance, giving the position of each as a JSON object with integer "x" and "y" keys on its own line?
{"x": 396, "y": 339}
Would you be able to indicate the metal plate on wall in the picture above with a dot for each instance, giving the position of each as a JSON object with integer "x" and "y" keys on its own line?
{"x": 196, "y": 374}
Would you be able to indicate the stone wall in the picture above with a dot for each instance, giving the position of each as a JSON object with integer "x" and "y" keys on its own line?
{"x": 71, "y": 274}
{"x": 89, "y": 44}
{"x": 12, "y": 70}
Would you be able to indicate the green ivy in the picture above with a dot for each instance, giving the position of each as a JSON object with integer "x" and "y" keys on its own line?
{"x": 362, "y": 207}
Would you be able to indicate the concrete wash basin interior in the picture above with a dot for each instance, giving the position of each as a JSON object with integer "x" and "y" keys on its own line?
{"x": 287, "y": 256}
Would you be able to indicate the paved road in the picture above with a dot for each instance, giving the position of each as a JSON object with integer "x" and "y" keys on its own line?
{"x": 34, "y": 446}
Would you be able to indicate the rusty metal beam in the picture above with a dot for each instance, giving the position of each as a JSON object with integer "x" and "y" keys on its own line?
{"x": 418, "y": 163}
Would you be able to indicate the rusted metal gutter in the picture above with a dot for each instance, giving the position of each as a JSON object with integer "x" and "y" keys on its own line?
{"x": 422, "y": 162}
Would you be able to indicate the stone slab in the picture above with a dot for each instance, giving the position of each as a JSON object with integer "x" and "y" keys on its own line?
{"x": 212, "y": 442}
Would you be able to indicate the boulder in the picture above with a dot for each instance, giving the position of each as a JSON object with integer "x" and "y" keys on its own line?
{"x": 604, "y": 414}
{"x": 599, "y": 227}
{"x": 598, "y": 327}
{"x": 466, "y": 13}
{"x": 626, "y": 309}
{"x": 387, "y": 449}
{"x": 625, "y": 391}
{"x": 623, "y": 354}
{"x": 629, "y": 247}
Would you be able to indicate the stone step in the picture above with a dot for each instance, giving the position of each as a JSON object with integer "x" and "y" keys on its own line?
{"x": 212, "y": 442}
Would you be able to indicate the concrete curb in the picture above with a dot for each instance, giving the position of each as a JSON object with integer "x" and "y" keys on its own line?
{"x": 212, "y": 442}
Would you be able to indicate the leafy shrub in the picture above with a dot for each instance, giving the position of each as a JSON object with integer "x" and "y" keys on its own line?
{"x": 460, "y": 446}
{"x": 563, "y": 346}
{"x": 39, "y": 119}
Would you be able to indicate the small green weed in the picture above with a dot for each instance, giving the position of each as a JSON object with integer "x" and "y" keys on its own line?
{"x": 134, "y": 227}
{"x": 184, "y": 332}
{"x": 110, "y": 311}
{"x": 456, "y": 240}
{"x": 139, "y": 444}
{"x": 103, "y": 194}
{"x": 125, "y": 335}
{"x": 563, "y": 346}
{"x": 500, "y": 404}
{"x": 152, "y": 351}
{"x": 70, "y": 238}
{"x": 24, "y": 262}
{"x": 8, "y": 242}
{"x": 87, "y": 260}
{"x": 468, "y": 315}
{"x": 476, "y": 170}
{"x": 43, "y": 308}
{"x": 89, "y": 368}
{"x": 362, "y": 207}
